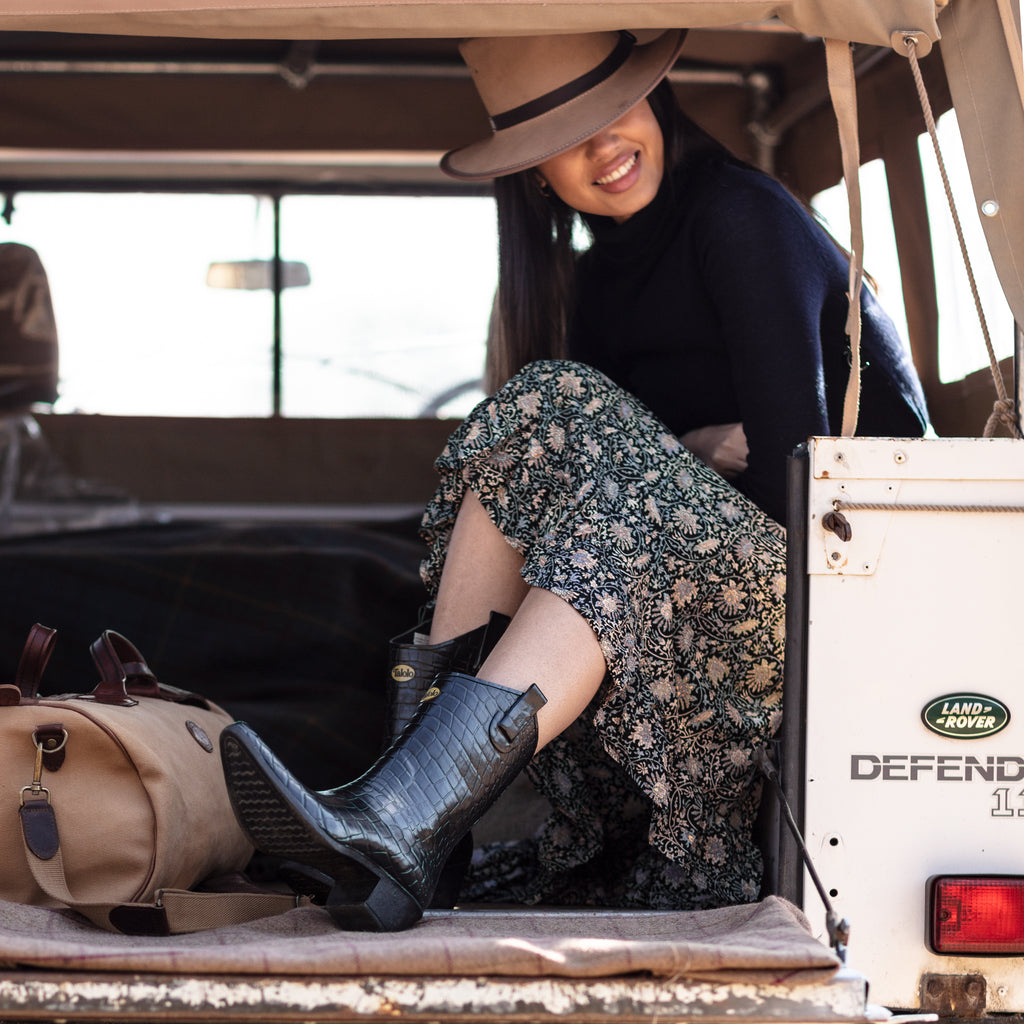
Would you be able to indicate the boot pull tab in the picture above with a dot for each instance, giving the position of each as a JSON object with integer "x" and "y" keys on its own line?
{"x": 34, "y": 657}
{"x": 505, "y": 728}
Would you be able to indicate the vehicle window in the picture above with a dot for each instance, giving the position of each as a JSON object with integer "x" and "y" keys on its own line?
{"x": 139, "y": 331}
{"x": 961, "y": 342}
{"x": 393, "y": 317}
{"x": 880, "y": 256}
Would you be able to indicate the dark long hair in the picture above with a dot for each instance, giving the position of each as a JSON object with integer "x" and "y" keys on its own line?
{"x": 536, "y": 261}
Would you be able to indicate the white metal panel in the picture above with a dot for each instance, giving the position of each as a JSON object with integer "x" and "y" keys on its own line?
{"x": 914, "y": 606}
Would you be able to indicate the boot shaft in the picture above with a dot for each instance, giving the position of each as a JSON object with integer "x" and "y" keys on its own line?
{"x": 413, "y": 665}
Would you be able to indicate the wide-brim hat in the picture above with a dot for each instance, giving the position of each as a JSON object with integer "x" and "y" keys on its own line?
{"x": 546, "y": 94}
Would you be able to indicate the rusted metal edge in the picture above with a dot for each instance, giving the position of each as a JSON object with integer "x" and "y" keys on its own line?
{"x": 69, "y": 996}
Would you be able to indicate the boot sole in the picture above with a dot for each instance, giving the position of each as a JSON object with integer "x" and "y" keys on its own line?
{"x": 363, "y": 897}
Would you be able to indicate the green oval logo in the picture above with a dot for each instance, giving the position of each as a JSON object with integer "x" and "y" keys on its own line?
{"x": 966, "y": 716}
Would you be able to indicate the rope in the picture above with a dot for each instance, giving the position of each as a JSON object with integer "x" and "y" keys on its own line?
{"x": 1003, "y": 410}
{"x": 872, "y": 506}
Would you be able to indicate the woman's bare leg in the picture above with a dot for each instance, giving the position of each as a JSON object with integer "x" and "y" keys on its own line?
{"x": 480, "y": 575}
{"x": 548, "y": 642}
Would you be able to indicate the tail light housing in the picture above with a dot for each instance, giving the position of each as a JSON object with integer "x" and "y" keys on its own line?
{"x": 976, "y": 914}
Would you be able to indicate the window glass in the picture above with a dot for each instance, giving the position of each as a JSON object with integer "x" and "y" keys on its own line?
{"x": 394, "y": 318}
{"x": 961, "y": 342}
{"x": 139, "y": 330}
{"x": 392, "y": 321}
{"x": 880, "y": 256}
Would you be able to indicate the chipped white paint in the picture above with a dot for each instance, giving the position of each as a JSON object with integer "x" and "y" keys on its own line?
{"x": 840, "y": 998}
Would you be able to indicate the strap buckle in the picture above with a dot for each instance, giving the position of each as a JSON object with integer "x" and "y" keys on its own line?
{"x": 37, "y": 792}
{"x": 44, "y": 745}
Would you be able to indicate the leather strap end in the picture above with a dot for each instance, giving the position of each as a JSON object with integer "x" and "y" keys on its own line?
{"x": 39, "y": 826}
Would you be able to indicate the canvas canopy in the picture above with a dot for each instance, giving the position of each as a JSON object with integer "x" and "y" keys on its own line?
{"x": 980, "y": 42}
{"x": 865, "y": 21}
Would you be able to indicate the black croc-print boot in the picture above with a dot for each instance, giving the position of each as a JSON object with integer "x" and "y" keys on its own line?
{"x": 413, "y": 665}
{"x": 385, "y": 837}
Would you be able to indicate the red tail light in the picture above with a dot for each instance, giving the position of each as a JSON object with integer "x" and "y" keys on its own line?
{"x": 977, "y": 914}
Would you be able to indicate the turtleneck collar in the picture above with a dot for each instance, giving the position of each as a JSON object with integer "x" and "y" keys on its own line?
{"x": 644, "y": 235}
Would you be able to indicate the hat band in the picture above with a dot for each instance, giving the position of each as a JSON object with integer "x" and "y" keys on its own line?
{"x": 557, "y": 97}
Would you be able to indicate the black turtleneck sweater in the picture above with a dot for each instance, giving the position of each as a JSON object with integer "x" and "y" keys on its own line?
{"x": 724, "y": 301}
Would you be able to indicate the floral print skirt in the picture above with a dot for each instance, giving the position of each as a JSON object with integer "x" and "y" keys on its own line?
{"x": 653, "y": 789}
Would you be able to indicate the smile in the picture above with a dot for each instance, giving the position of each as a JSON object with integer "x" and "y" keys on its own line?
{"x": 620, "y": 172}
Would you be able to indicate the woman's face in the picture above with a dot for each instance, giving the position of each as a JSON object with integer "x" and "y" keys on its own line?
{"x": 614, "y": 173}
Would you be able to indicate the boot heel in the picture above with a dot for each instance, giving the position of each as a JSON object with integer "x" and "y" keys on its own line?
{"x": 453, "y": 874}
{"x": 388, "y": 908}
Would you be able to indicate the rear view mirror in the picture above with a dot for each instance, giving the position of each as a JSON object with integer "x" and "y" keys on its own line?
{"x": 256, "y": 275}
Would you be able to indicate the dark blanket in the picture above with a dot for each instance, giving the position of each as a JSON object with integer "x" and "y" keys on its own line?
{"x": 284, "y": 625}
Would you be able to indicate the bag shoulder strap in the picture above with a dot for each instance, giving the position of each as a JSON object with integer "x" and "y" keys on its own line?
{"x": 174, "y": 912}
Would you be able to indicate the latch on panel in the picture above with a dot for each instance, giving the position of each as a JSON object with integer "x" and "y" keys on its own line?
{"x": 953, "y": 995}
{"x": 850, "y": 541}
{"x": 835, "y": 522}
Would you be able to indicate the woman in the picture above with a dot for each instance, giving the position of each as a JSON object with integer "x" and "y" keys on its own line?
{"x": 642, "y": 663}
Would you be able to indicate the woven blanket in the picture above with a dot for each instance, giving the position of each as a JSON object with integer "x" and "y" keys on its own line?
{"x": 771, "y": 936}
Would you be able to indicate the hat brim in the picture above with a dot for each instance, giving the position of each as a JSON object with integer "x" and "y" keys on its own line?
{"x": 541, "y": 138}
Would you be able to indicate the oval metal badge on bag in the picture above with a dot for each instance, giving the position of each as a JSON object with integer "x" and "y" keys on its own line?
{"x": 200, "y": 736}
{"x": 966, "y": 716}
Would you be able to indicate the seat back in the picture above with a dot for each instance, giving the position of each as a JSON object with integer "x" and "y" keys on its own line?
{"x": 28, "y": 331}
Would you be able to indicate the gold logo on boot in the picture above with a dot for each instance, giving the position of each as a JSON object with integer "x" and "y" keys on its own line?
{"x": 403, "y": 673}
{"x": 431, "y": 694}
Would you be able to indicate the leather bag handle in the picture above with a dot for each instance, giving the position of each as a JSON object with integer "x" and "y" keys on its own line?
{"x": 34, "y": 658}
{"x": 123, "y": 671}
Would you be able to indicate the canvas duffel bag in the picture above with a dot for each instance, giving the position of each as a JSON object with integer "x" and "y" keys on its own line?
{"x": 115, "y": 800}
